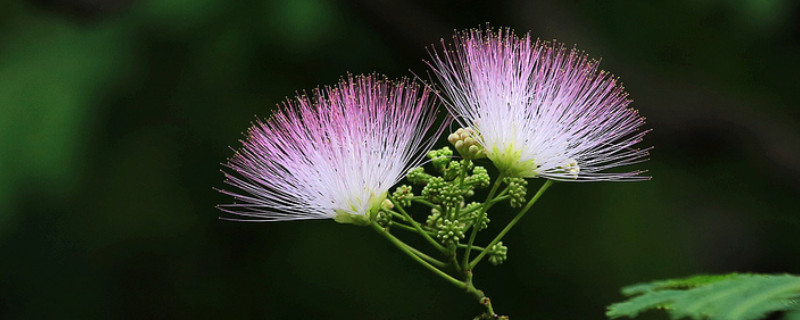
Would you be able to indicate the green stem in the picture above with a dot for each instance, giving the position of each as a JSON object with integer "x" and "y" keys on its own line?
{"x": 428, "y": 258}
{"x": 462, "y": 175}
{"x": 419, "y": 229}
{"x": 425, "y": 202}
{"x": 403, "y": 247}
{"x": 475, "y": 225}
{"x": 405, "y": 227}
{"x": 502, "y": 194}
{"x": 512, "y": 223}
{"x": 474, "y": 247}
{"x": 397, "y": 215}
{"x": 497, "y": 199}
{"x": 431, "y": 260}
{"x": 403, "y": 218}
{"x": 454, "y": 262}
{"x": 478, "y": 294}
{"x": 464, "y": 164}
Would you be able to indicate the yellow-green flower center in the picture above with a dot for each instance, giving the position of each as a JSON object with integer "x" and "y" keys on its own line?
{"x": 509, "y": 162}
{"x": 353, "y": 216}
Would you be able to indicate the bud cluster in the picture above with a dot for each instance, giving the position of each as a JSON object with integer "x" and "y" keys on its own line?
{"x": 517, "y": 189}
{"x": 466, "y": 145}
{"x": 497, "y": 253}
{"x": 383, "y": 218}
{"x": 481, "y": 221}
{"x": 402, "y": 195}
{"x": 451, "y": 217}
{"x": 433, "y": 218}
{"x": 418, "y": 176}
{"x": 440, "y": 158}
{"x": 454, "y": 169}
{"x": 479, "y": 178}
{"x": 450, "y": 231}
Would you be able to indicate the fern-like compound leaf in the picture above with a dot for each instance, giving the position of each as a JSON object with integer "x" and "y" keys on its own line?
{"x": 715, "y": 297}
{"x": 684, "y": 283}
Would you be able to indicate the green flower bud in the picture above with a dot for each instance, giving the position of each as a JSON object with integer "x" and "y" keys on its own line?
{"x": 402, "y": 195}
{"x": 481, "y": 221}
{"x": 433, "y": 218}
{"x": 477, "y": 151}
{"x": 440, "y": 157}
{"x": 517, "y": 190}
{"x": 497, "y": 253}
{"x": 479, "y": 178}
{"x": 450, "y": 231}
{"x": 472, "y": 206}
{"x": 453, "y": 170}
{"x": 452, "y": 195}
{"x": 443, "y": 152}
{"x": 433, "y": 190}
{"x": 418, "y": 176}
{"x": 383, "y": 218}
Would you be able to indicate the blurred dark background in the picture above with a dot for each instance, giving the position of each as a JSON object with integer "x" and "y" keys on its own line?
{"x": 115, "y": 115}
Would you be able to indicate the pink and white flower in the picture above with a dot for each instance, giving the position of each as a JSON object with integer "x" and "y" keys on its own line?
{"x": 539, "y": 109}
{"x": 334, "y": 154}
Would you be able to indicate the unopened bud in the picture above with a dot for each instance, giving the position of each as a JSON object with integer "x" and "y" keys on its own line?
{"x": 465, "y": 142}
{"x": 387, "y": 205}
{"x": 452, "y": 138}
{"x": 498, "y": 253}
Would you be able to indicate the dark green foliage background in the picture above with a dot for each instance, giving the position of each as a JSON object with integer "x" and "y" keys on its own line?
{"x": 114, "y": 116}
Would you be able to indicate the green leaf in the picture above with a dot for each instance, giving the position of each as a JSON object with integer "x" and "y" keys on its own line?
{"x": 714, "y": 297}
{"x": 634, "y": 306}
{"x": 685, "y": 283}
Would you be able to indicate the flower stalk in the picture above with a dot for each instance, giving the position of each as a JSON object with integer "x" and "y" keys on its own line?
{"x": 418, "y": 228}
{"x": 481, "y": 213}
{"x": 445, "y": 195}
{"x": 407, "y": 249}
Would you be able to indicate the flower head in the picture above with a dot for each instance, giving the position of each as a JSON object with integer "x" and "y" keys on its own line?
{"x": 538, "y": 108}
{"x": 334, "y": 154}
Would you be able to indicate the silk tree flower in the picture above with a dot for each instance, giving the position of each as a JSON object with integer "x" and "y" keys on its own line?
{"x": 538, "y": 108}
{"x": 334, "y": 154}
